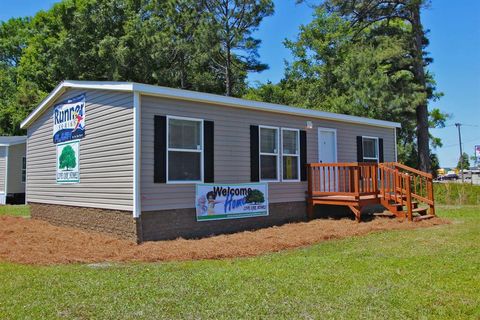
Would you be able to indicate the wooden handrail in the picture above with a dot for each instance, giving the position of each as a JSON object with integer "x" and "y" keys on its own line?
{"x": 409, "y": 169}
{"x": 353, "y": 178}
{"x": 343, "y": 164}
{"x": 420, "y": 184}
{"x": 396, "y": 184}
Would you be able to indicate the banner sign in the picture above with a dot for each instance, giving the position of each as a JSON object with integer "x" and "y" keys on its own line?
{"x": 477, "y": 153}
{"x": 69, "y": 119}
{"x": 68, "y": 166}
{"x": 219, "y": 201}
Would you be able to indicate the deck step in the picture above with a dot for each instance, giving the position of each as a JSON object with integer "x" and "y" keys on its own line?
{"x": 420, "y": 211}
{"x": 385, "y": 214}
{"x": 400, "y": 207}
{"x": 425, "y": 217}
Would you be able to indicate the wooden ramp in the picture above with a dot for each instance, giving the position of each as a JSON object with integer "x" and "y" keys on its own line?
{"x": 404, "y": 191}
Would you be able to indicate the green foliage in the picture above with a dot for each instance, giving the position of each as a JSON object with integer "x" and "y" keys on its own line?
{"x": 463, "y": 162}
{"x": 427, "y": 273}
{"x": 256, "y": 196}
{"x": 234, "y": 22}
{"x": 366, "y": 72}
{"x": 174, "y": 43}
{"x": 68, "y": 158}
{"x": 457, "y": 193}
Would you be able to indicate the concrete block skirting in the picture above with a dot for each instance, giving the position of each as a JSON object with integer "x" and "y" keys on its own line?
{"x": 117, "y": 223}
{"x": 161, "y": 225}
{"x": 172, "y": 224}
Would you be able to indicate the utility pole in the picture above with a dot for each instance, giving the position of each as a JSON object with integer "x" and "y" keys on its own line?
{"x": 461, "y": 152}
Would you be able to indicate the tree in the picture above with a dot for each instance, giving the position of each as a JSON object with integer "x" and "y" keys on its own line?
{"x": 255, "y": 196}
{"x": 174, "y": 43}
{"x": 363, "y": 72}
{"x": 68, "y": 158}
{"x": 463, "y": 162}
{"x": 235, "y": 21}
{"x": 363, "y": 14}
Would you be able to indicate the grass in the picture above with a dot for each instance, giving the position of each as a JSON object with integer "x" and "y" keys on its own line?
{"x": 425, "y": 273}
{"x": 457, "y": 193}
{"x": 18, "y": 211}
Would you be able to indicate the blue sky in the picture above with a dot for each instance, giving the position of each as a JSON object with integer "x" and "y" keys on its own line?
{"x": 454, "y": 45}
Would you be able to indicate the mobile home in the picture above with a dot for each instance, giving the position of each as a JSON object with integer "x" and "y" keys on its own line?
{"x": 145, "y": 162}
{"x": 12, "y": 169}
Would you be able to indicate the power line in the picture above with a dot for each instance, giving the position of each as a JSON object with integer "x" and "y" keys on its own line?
{"x": 456, "y": 144}
{"x": 463, "y": 124}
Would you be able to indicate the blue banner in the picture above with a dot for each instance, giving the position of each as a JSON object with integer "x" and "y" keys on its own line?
{"x": 69, "y": 119}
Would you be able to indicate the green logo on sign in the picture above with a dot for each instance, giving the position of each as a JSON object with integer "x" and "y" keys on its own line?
{"x": 67, "y": 159}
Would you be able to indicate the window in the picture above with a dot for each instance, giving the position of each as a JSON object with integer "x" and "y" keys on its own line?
{"x": 269, "y": 154}
{"x": 185, "y": 149}
{"x": 24, "y": 170}
{"x": 370, "y": 149}
{"x": 290, "y": 154}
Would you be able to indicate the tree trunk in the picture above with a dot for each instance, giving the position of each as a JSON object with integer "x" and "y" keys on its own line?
{"x": 422, "y": 109}
{"x": 228, "y": 74}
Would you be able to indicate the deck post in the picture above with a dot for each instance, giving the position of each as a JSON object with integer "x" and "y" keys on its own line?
{"x": 310, "y": 192}
{"x": 409, "y": 197}
{"x": 430, "y": 196}
{"x": 356, "y": 178}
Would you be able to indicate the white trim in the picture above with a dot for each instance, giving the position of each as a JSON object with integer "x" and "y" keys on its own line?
{"x": 15, "y": 140}
{"x": 297, "y": 155}
{"x": 334, "y": 140}
{"x": 260, "y": 153}
{"x": 395, "y": 137}
{"x": 5, "y": 189}
{"x": 137, "y": 151}
{"x": 199, "y": 97}
{"x": 377, "y": 158}
{"x": 201, "y": 151}
{"x": 26, "y": 177}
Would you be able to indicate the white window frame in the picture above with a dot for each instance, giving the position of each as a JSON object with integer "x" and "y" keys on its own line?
{"x": 201, "y": 151}
{"x": 24, "y": 170}
{"x": 377, "y": 158}
{"x": 260, "y": 153}
{"x": 291, "y": 155}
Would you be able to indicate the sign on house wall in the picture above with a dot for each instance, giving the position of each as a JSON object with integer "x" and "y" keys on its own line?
{"x": 69, "y": 119}
{"x": 68, "y": 166}
{"x": 220, "y": 201}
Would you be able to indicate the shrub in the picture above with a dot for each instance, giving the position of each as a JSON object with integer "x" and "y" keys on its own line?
{"x": 457, "y": 193}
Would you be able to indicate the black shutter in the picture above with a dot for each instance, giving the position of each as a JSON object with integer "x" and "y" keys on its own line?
{"x": 380, "y": 150}
{"x": 359, "y": 149}
{"x": 303, "y": 155}
{"x": 254, "y": 154}
{"x": 160, "y": 150}
{"x": 208, "y": 164}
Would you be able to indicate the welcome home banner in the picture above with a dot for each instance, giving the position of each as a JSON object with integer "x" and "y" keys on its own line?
{"x": 69, "y": 119}
{"x": 231, "y": 201}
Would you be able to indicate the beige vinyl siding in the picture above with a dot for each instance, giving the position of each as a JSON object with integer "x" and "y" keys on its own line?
{"x": 3, "y": 168}
{"x": 232, "y": 148}
{"x": 15, "y": 155}
{"x": 106, "y": 155}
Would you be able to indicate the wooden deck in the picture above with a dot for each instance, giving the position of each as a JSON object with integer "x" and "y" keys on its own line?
{"x": 398, "y": 188}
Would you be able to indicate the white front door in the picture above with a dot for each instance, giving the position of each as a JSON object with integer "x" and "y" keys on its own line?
{"x": 327, "y": 145}
{"x": 327, "y": 153}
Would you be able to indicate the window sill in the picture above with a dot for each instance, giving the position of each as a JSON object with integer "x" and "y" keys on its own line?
{"x": 184, "y": 182}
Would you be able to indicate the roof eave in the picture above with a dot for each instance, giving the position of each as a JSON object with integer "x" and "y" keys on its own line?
{"x": 200, "y": 97}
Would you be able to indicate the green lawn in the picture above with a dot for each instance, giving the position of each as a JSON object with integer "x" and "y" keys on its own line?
{"x": 426, "y": 273}
{"x": 18, "y": 211}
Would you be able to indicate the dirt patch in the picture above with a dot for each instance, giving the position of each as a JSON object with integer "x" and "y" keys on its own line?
{"x": 37, "y": 242}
